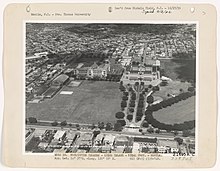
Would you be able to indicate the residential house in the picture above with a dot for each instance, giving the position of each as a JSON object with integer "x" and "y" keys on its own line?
{"x": 166, "y": 146}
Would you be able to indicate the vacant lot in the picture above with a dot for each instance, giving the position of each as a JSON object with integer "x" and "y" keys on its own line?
{"x": 177, "y": 113}
{"x": 91, "y": 102}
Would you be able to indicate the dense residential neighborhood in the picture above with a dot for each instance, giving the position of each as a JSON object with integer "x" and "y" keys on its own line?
{"x": 110, "y": 88}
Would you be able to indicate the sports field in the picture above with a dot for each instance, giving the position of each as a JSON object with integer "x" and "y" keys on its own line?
{"x": 178, "y": 112}
{"x": 91, "y": 102}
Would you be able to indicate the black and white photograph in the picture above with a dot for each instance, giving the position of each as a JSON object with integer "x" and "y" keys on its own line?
{"x": 110, "y": 88}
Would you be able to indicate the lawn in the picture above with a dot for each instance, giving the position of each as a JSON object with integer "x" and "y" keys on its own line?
{"x": 169, "y": 68}
{"x": 178, "y": 112}
{"x": 178, "y": 69}
{"x": 91, "y": 102}
{"x": 173, "y": 87}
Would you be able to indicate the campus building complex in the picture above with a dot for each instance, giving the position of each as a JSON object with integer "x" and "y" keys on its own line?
{"x": 147, "y": 72}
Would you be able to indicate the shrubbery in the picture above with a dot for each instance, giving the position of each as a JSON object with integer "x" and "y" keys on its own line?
{"x": 119, "y": 115}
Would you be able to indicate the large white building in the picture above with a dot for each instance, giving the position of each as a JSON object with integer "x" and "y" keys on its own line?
{"x": 147, "y": 72}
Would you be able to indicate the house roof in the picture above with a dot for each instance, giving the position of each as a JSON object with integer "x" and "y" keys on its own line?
{"x": 121, "y": 139}
{"x": 83, "y": 69}
{"x": 86, "y": 136}
{"x": 99, "y": 137}
{"x": 169, "y": 143}
{"x": 59, "y": 134}
{"x": 94, "y": 65}
{"x": 140, "y": 139}
{"x": 61, "y": 78}
{"x": 109, "y": 138}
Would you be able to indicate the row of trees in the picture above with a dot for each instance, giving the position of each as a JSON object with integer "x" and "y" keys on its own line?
{"x": 113, "y": 79}
{"x": 168, "y": 102}
{"x": 149, "y": 119}
{"x": 187, "y": 125}
{"x": 101, "y": 125}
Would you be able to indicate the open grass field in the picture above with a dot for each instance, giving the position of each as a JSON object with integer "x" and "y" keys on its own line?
{"x": 91, "y": 102}
{"x": 177, "y": 113}
{"x": 179, "y": 69}
{"x": 173, "y": 87}
{"x": 169, "y": 68}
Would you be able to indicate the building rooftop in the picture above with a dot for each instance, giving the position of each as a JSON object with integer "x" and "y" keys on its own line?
{"x": 70, "y": 135}
{"x": 86, "y": 136}
{"x": 59, "y": 134}
{"x": 39, "y": 132}
{"x": 61, "y": 78}
{"x": 167, "y": 143}
{"x": 121, "y": 138}
{"x": 149, "y": 140}
{"x": 99, "y": 137}
{"x": 109, "y": 138}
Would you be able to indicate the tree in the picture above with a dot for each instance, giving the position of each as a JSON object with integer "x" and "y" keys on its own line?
{"x": 157, "y": 131}
{"x": 140, "y": 112}
{"x": 138, "y": 118}
{"x": 32, "y": 120}
{"x": 133, "y": 96}
{"x": 123, "y": 104}
{"x": 55, "y": 123}
{"x": 179, "y": 140}
{"x": 175, "y": 133}
{"x": 136, "y": 83}
{"x": 141, "y": 98}
{"x": 129, "y": 117}
{"x": 122, "y": 122}
{"x": 140, "y": 104}
{"x": 186, "y": 133}
{"x": 101, "y": 125}
{"x": 64, "y": 123}
{"x": 117, "y": 126}
{"x": 122, "y": 88}
{"x": 150, "y": 130}
{"x": 125, "y": 93}
{"x": 191, "y": 89}
{"x": 156, "y": 88}
{"x": 96, "y": 132}
{"x": 150, "y": 86}
{"x": 77, "y": 126}
{"x": 150, "y": 99}
{"x": 93, "y": 126}
{"x": 125, "y": 98}
{"x": 130, "y": 89}
{"x": 119, "y": 115}
{"x": 148, "y": 112}
{"x": 108, "y": 126}
{"x": 145, "y": 124}
{"x": 131, "y": 110}
{"x": 146, "y": 89}
{"x": 132, "y": 104}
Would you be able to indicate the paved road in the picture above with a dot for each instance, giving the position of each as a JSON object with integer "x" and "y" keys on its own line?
{"x": 161, "y": 136}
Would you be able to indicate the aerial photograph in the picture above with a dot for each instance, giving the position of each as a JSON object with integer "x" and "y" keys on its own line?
{"x": 110, "y": 88}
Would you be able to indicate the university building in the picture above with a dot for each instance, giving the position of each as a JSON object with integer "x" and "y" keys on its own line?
{"x": 147, "y": 72}
{"x": 93, "y": 71}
